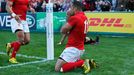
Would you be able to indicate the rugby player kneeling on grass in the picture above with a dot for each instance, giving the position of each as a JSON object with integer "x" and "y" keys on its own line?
{"x": 76, "y": 29}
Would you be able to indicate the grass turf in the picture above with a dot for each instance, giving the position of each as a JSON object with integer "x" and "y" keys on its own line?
{"x": 115, "y": 56}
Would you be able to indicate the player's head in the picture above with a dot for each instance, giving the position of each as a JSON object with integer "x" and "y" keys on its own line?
{"x": 76, "y": 6}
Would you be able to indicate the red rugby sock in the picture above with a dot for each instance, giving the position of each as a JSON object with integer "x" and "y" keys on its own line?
{"x": 72, "y": 65}
{"x": 15, "y": 45}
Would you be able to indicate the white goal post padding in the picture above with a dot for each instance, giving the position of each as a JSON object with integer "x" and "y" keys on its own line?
{"x": 49, "y": 31}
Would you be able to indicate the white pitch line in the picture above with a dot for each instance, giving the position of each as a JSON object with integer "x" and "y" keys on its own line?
{"x": 25, "y": 56}
{"x": 21, "y": 64}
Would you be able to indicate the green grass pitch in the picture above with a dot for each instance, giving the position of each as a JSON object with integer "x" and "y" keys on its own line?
{"x": 115, "y": 56}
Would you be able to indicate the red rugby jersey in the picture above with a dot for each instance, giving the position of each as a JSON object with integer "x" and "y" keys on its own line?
{"x": 76, "y": 36}
{"x": 20, "y": 7}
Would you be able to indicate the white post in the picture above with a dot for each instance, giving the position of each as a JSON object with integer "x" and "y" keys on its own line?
{"x": 49, "y": 31}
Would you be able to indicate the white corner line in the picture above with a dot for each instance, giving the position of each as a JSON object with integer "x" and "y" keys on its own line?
{"x": 21, "y": 64}
{"x": 25, "y": 56}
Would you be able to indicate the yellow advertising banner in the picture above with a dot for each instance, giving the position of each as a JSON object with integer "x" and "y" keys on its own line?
{"x": 111, "y": 22}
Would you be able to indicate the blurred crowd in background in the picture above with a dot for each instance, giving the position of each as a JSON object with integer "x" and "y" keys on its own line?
{"x": 89, "y": 5}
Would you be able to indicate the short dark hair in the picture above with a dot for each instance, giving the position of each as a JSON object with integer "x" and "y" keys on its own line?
{"x": 78, "y": 5}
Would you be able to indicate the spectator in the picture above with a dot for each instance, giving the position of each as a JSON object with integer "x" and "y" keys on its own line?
{"x": 92, "y": 5}
{"x": 3, "y": 6}
{"x": 44, "y": 6}
{"x": 46, "y": 1}
{"x": 105, "y": 5}
{"x": 56, "y": 7}
{"x": 86, "y": 5}
{"x": 0, "y": 6}
{"x": 114, "y": 4}
{"x": 60, "y": 3}
{"x": 97, "y": 3}
{"x": 89, "y": 5}
{"x": 121, "y": 5}
{"x": 33, "y": 3}
{"x": 38, "y": 8}
{"x": 66, "y": 5}
{"x": 130, "y": 5}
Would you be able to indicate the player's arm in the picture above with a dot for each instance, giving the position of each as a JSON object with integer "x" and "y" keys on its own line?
{"x": 66, "y": 28}
{"x": 69, "y": 25}
{"x": 10, "y": 11}
{"x": 9, "y": 7}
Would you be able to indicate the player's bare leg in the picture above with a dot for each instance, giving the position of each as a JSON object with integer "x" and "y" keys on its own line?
{"x": 23, "y": 39}
{"x": 26, "y": 38}
{"x": 59, "y": 64}
{"x": 16, "y": 46}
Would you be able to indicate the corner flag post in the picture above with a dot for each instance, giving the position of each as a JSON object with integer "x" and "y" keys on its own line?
{"x": 49, "y": 31}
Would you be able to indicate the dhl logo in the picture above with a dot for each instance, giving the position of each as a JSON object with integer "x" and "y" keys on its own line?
{"x": 108, "y": 22}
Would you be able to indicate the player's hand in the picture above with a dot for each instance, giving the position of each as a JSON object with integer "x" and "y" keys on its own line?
{"x": 59, "y": 43}
{"x": 17, "y": 18}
